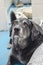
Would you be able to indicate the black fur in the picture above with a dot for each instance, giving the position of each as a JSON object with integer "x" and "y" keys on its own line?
{"x": 12, "y": 17}
{"x": 33, "y": 41}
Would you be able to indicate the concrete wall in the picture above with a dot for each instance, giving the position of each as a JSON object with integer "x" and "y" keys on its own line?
{"x": 4, "y": 4}
{"x": 37, "y": 10}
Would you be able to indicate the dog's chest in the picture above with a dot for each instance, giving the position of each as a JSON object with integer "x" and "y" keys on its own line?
{"x": 19, "y": 55}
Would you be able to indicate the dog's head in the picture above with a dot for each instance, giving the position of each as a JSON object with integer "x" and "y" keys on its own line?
{"x": 23, "y": 31}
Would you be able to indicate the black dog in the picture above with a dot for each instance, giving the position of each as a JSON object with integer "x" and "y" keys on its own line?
{"x": 26, "y": 37}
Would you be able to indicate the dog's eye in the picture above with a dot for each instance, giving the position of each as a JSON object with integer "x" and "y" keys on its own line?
{"x": 25, "y": 24}
{"x": 15, "y": 22}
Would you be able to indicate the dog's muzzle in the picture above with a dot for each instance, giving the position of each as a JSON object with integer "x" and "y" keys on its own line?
{"x": 20, "y": 35}
{"x": 16, "y": 31}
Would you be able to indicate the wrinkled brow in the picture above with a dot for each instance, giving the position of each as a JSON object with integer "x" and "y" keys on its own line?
{"x": 15, "y": 22}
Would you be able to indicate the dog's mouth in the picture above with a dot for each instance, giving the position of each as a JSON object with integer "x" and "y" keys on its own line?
{"x": 19, "y": 42}
{"x": 17, "y": 38}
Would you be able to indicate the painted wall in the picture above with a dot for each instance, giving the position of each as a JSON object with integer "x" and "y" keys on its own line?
{"x": 37, "y": 10}
{"x": 4, "y": 4}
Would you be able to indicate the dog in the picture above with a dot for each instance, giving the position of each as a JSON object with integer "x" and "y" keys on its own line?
{"x": 14, "y": 16}
{"x": 26, "y": 38}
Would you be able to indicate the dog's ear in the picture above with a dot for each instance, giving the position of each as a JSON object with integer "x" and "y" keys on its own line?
{"x": 30, "y": 24}
{"x": 34, "y": 33}
{"x": 12, "y": 17}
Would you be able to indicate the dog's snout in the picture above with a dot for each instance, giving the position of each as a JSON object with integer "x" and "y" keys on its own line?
{"x": 16, "y": 29}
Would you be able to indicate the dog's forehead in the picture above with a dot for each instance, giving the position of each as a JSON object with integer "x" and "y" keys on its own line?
{"x": 21, "y": 21}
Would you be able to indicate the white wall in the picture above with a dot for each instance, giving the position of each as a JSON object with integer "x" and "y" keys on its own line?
{"x": 4, "y": 4}
{"x": 37, "y": 10}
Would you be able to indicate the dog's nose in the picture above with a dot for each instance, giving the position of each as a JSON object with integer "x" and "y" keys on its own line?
{"x": 16, "y": 31}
